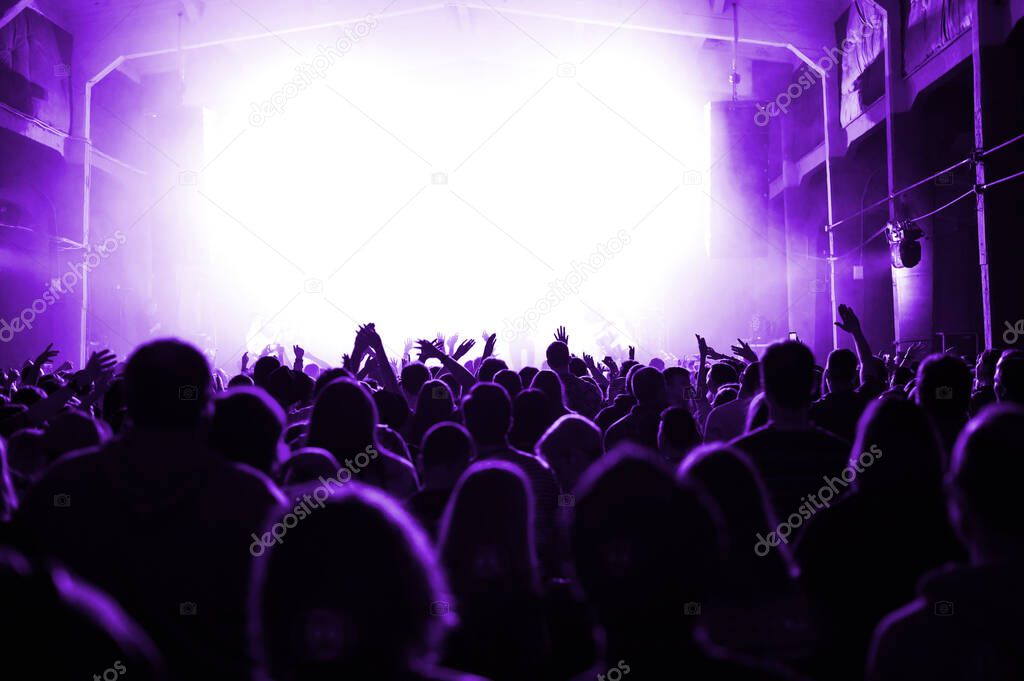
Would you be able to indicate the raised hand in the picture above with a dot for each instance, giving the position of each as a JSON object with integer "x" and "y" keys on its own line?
{"x": 632, "y": 353}
{"x": 610, "y": 363}
{"x": 46, "y": 356}
{"x": 489, "y": 345}
{"x": 702, "y": 346}
{"x": 850, "y": 324}
{"x": 743, "y": 351}
{"x": 99, "y": 362}
{"x": 464, "y": 347}
{"x": 452, "y": 340}
{"x": 245, "y": 362}
{"x": 561, "y": 335}
{"x": 429, "y": 350}
{"x": 299, "y": 352}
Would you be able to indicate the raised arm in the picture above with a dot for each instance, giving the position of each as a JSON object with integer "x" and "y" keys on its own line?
{"x": 851, "y": 325}
{"x": 428, "y": 350}
{"x": 385, "y": 372}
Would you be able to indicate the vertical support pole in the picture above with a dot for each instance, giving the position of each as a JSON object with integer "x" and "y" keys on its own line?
{"x": 890, "y": 154}
{"x": 827, "y": 148}
{"x": 832, "y": 296}
{"x": 83, "y": 349}
{"x": 979, "y": 174}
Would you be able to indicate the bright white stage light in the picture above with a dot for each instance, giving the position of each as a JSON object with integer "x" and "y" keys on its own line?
{"x": 459, "y": 191}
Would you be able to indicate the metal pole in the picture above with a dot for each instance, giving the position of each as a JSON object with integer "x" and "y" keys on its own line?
{"x": 979, "y": 174}
{"x": 890, "y": 154}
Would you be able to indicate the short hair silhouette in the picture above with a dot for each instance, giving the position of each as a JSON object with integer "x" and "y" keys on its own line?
{"x": 167, "y": 385}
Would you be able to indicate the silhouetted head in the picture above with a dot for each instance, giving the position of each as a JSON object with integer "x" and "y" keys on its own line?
{"x": 414, "y": 375}
{"x": 984, "y": 483}
{"x": 445, "y": 454}
{"x": 302, "y": 388}
{"x": 551, "y": 385}
{"x": 558, "y": 356}
{"x": 648, "y": 387}
{"x": 307, "y": 464}
{"x": 240, "y": 381}
{"x": 526, "y": 375}
{"x": 901, "y": 437}
{"x": 577, "y": 367}
{"x": 678, "y": 386}
{"x": 392, "y": 408}
{"x": 787, "y": 375}
{"x": 750, "y": 380}
{"x": 247, "y": 427}
{"x": 658, "y": 363}
{"x": 327, "y": 377}
{"x": 490, "y": 368}
{"x": 985, "y": 368}
{"x": 643, "y": 546}
{"x": 487, "y": 410}
{"x": 509, "y": 380}
{"x": 28, "y": 395}
{"x": 72, "y": 430}
{"x": 48, "y": 610}
{"x": 719, "y": 374}
{"x": 486, "y": 538}
{"x": 344, "y": 419}
{"x": 677, "y": 433}
{"x": 167, "y": 386}
{"x": 280, "y": 386}
{"x": 433, "y": 405}
{"x": 757, "y": 413}
{"x": 531, "y": 417}
{"x": 26, "y": 457}
{"x": 738, "y": 491}
{"x": 1009, "y": 377}
{"x": 944, "y": 389}
{"x": 570, "y": 445}
{"x": 841, "y": 370}
{"x": 366, "y": 613}
{"x": 263, "y": 368}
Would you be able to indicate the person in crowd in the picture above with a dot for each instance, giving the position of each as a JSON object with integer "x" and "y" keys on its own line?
{"x": 1009, "y": 377}
{"x": 510, "y": 381}
{"x": 570, "y": 446}
{"x": 640, "y": 425}
{"x": 488, "y": 414}
{"x": 983, "y": 392}
{"x": 549, "y": 383}
{"x": 965, "y": 621}
{"x": 944, "y": 392}
{"x": 791, "y": 454}
{"x": 677, "y": 434}
{"x": 649, "y": 564}
{"x": 444, "y": 455}
{"x": 55, "y": 625}
{"x": 136, "y": 512}
{"x": 840, "y": 408}
{"x": 434, "y": 404}
{"x": 344, "y": 422}
{"x": 247, "y": 427}
{"x": 531, "y": 417}
{"x": 892, "y": 522}
{"x": 760, "y": 608}
{"x": 487, "y": 548}
{"x": 727, "y": 422}
{"x": 582, "y": 397}
{"x": 379, "y": 612}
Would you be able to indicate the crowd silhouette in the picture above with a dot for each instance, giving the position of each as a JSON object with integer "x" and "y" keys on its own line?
{"x": 451, "y": 518}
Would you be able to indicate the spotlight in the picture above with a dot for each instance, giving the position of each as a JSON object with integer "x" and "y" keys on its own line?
{"x": 904, "y": 247}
